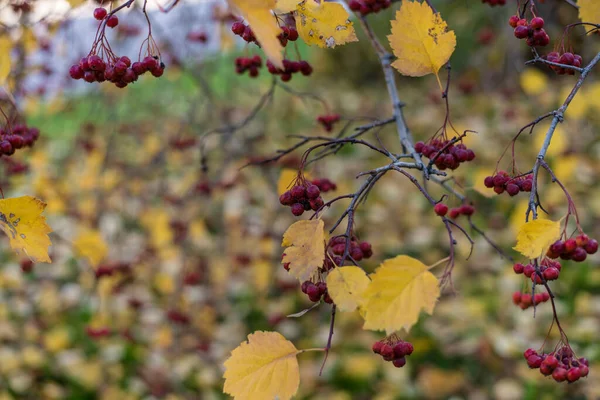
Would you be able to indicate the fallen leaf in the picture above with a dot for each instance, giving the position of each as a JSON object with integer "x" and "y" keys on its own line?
{"x": 325, "y": 24}
{"x": 91, "y": 246}
{"x": 305, "y": 242}
{"x": 535, "y": 237}
{"x": 420, "y": 40}
{"x": 346, "y": 286}
{"x": 400, "y": 289}
{"x": 22, "y": 220}
{"x": 264, "y": 367}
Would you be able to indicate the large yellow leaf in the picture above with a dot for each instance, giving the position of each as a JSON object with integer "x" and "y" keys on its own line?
{"x": 287, "y": 6}
{"x": 346, "y": 286}
{"x": 400, "y": 289}
{"x": 22, "y": 220}
{"x": 5, "y": 64}
{"x": 91, "y": 246}
{"x": 324, "y": 24}
{"x": 264, "y": 367}
{"x": 305, "y": 242}
{"x": 258, "y": 15}
{"x": 420, "y": 40}
{"x": 589, "y": 11}
{"x": 535, "y": 237}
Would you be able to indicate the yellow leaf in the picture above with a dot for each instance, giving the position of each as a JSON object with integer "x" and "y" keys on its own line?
{"x": 264, "y": 367}
{"x": 305, "y": 242}
{"x": 5, "y": 65}
{"x": 324, "y": 24}
{"x": 258, "y": 15}
{"x": 589, "y": 11}
{"x": 399, "y": 290}
{"x": 533, "y": 81}
{"x": 287, "y": 6}
{"x": 346, "y": 286}
{"x": 535, "y": 237}
{"x": 420, "y": 40}
{"x": 91, "y": 246}
{"x": 22, "y": 220}
{"x": 286, "y": 179}
{"x": 76, "y": 3}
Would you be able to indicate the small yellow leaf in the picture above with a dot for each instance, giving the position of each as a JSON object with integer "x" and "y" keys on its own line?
{"x": 22, "y": 220}
{"x": 258, "y": 15}
{"x": 287, "y": 6}
{"x": 346, "y": 286}
{"x": 324, "y": 24}
{"x": 5, "y": 65}
{"x": 420, "y": 40}
{"x": 91, "y": 246}
{"x": 305, "y": 242}
{"x": 264, "y": 367}
{"x": 400, "y": 289}
{"x": 589, "y": 11}
{"x": 535, "y": 237}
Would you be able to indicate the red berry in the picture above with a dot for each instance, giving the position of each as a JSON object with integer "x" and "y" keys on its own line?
{"x": 286, "y": 198}
{"x": 298, "y": 192}
{"x": 591, "y": 247}
{"x": 551, "y": 274}
{"x": 377, "y": 346}
{"x": 76, "y": 72}
{"x": 387, "y": 352}
{"x": 112, "y": 21}
{"x": 534, "y": 361}
{"x": 512, "y": 189}
{"x": 454, "y": 213}
{"x": 312, "y": 290}
{"x": 521, "y": 32}
{"x": 537, "y": 23}
{"x": 582, "y": 240}
{"x": 570, "y": 245}
{"x": 579, "y": 255}
{"x": 399, "y": 362}
{"x": 313, "y": 191}
{"x": 584, "y": 370}
{"x": 529, "y": 352}
{"x": 516, "y": 297}
{"x": 513, "y": 21}
{"x": 518, "y": 268}
{"x": 467, "y": 209}
{"x": 559, "y": 374}
{"x": 489, "y": 182}
{"x": 573, "y": 374}
{"x": 551, "y": 361}
{"x": 100, "y": 13}
{"x": 440, "y": 209}
{"x": 545, "y": 369}
{"x": 297, "y": 209}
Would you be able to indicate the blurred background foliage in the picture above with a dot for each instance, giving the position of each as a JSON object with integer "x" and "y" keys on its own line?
{"x": 187, "y": 241}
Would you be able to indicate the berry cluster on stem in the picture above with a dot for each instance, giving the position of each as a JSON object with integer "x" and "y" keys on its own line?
{"x": 573, "y": 249}
{"x": 303, "y": 196}
{"x": 290, "y": 68}
{"x": 15, "y": 137}
{"x": 117, "y": 70}
{"x": 567, "y": 58}
{"x": 503, "y": 182}
{"x": 532, "y": 31}
{"x": 465, "y": 209}
{"x": 445, "y": 154}
{"x": 357, "y": 250}
{"x": 250, "y": 64}
{"x": 561, "y": 364}
{"x": 549, "y": 269}
{"x": 394, "y": 350}
{"x": 316, "y": 291}
{"x": 526, "y": 300}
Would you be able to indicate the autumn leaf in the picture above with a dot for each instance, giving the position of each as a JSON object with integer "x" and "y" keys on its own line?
{"x": 264, "y": 367}
{"x": 5, "y": 65}
{"x": 91, "y": 246}
{"x": 420, "y": 40}
{"x": 400, "y": 289}
{"x": 258, "y": 15}
{"x": 589, "y": 11}
{"x": 287, "y": 178}
{"x": 535, "y": 237}
{"x": 346, "y": 286}
{"x": 324, "y": 24}
{"x": 22, "y": 220}
{"x": 305, "y": 242}
{"x": 287, "y": 6}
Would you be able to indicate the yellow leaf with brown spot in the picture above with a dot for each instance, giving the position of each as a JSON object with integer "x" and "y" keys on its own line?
{"x": 420, "y": 40}
{"x": 400, "y": 289}
{"x": 346, "y": 286}
{"x": 264, "y": 367}
{"x": 535, "y": 237}
{"x": 259, "y": 16}
{"x": 305, "y": 242}
{"x": 325, "y": 24}
{"x": 22, "y": 220}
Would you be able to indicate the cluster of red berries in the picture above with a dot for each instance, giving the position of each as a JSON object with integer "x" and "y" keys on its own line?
{"x": 316, "y": 291}
{"x": 119, "y": 71}
{"x": 16, "y": 137}
{"x": 561, "y": 364}
{"x": 395, "y": 352}
{"x": 244, "y": 31}
{"x": 573, "y": 249}
{"x": 549, "y": 269}
{"x": 525, "y": 300}
{"x": 290, "y": 68}
{"x": 465, "y": 209}
{"x": 324, "y": 184}
{"x": 302, "y": 197}
{"x": 101, "y": 13}
{"x": 286, "y": 34}
{"x": 503, "y": 182}
{"x": 533, "y": 31}
{"x": 494, "y": 3}
{"x": 328, "y": 120}
{"x": 446, "y": 155}
{"x": 357, "y": 250}
{"x": 251, "y": 64}
{"x": 366, "y": 7}
{"x": 565, "y": 59}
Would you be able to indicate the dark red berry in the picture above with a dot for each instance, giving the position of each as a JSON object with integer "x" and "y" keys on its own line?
{"x": 537, "y": 23}
{"x": 297, "y": 209}
{"x": 440, "y": 209}
{"x": 518, "y": 268}
{"x": 399, "y": 362}
{"x": 112, "y": 21}
{"x": 100, "y": 13}
{"x": 313, "y": 191}
{"x": 377, "y": 346}
{"x": 559, "y": 374}
{"x": 591, "y": 247}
